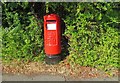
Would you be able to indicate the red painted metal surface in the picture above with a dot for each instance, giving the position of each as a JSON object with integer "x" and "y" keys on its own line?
{"x": 52, "y": 34}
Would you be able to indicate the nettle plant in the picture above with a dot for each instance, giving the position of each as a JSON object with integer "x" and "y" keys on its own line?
{"x": 22, "y": 36}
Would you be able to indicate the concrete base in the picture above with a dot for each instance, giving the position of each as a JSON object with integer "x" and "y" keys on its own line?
{"x": 52, "y": 59}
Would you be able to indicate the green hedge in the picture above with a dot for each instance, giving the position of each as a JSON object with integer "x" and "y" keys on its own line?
{"x": 22, "y": 33}
{"x": 92, "y": 30}
{"x": 94, "y": 35}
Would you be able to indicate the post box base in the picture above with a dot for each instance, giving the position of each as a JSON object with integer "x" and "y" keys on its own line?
{"x": 52, "y": 59}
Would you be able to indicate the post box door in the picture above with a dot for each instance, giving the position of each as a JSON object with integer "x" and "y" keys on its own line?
{"x": 51, "y": 33}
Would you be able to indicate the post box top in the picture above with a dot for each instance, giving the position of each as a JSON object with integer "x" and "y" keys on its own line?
{"x": 51, "y": 16}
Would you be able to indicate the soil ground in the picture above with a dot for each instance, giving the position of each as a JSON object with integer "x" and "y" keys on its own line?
{"x": 36, "y": 71}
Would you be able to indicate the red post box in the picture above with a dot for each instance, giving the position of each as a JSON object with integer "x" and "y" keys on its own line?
{"x": 52, "y": 35}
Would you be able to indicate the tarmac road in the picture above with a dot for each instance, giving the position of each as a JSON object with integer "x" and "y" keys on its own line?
{"x": 45, "y": 77}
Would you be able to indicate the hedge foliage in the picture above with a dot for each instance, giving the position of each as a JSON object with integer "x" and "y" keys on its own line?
{"x": 92, "y": 30}
{"x": 22, "y": 33}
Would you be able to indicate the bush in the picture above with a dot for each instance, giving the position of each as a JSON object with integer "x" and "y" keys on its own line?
{"x": 22, "y": 36}
{"x": 94, "y": 36}
{"x": 92, "y": 32}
